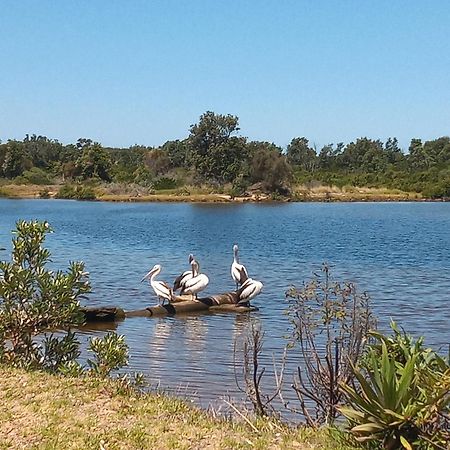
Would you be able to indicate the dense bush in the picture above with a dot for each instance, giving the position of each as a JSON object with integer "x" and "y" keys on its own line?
{"x": 35, "y": 176}
{"x": 402, "y": 394}
{"x": 77, "y": 192}
{"x": 163, "y": 183}
{"x": 111, "y": 353}
{"x": 34, "y": 299}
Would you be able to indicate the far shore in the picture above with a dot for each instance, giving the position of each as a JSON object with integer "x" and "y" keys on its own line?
{"x": 300, "y": 194}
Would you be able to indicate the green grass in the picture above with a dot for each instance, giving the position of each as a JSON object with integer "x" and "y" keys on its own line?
{"x": 41, "y": 411}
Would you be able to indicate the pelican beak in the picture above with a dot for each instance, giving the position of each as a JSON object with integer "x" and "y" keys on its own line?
{"x": 148, "y": 275}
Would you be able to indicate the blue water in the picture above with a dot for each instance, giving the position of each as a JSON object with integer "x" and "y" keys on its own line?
{"x": 398, "y": 252}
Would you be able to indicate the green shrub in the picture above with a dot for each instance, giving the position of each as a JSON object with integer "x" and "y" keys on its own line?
{"x": 164, "y": 183}
{"x": 437, "y": 190}
{"x": 34, "y": 299}
{"x": 111, "y": 353}
{"x": 77, "y": 192}
{"x": 67, "y": 191}
{"x": 36, "y": 176}
{"x": 402, "y": 396}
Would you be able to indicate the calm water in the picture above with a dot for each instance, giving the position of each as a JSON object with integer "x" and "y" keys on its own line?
{"x": 398, "y": 252}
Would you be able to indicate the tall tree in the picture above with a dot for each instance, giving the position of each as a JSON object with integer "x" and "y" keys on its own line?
{"x": 177, "y": 152}
{"x": 95, "y": 162}
{"x": 271, "y": 168}
{"x": 299, "y": 153}
{"x": 215, "y": 153}
{"x": 14, "y": 162}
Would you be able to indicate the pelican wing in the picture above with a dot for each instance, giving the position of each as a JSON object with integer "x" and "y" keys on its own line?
{"x": 195, "y": 284}
{"x": 239, "y": 273}
{"x": 181, "y": 279}
{"x": 250, "y": 289}
{"x": 162, "y": 289}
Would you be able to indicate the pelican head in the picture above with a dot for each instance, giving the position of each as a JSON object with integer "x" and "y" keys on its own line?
{"x": 155, "y": 269}
{"x": 235, "y": 249}
{"x": 191, "y": 257}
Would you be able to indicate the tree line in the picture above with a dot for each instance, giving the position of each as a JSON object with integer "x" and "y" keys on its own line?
{"x": 214, "y": 153}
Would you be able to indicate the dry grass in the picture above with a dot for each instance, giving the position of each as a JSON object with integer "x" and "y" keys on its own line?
{"x": 352, "y": 194}
{"x": 132, "y": 193}
{"x": 40, "y": 411}
{"x": 27, "y": 190}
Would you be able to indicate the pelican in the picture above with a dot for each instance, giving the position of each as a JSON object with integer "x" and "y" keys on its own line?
{"x": 181, "y": 279}
{"x": 161, "y": 288}
{"x": 250, "y": 289}
{"x": 237, "y": 269}
{"x": 197, "y": 283}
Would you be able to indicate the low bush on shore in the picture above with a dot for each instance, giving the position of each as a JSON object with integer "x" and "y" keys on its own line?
{"x": 77, "y": 192}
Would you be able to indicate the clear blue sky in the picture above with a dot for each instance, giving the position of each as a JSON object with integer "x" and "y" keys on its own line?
{"x": 126, "y": 72}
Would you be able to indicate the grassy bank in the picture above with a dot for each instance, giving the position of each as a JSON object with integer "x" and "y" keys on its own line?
{"x": 300, "y": 193}
{"x": 42, "y": 411}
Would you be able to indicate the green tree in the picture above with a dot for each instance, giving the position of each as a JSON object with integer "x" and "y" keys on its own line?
{"x": 14, "y": 162}
{"x": 364, "y": 155}
{"x": 269, "y": 167}
{"x": 328, "y": 157}
{"x": 95, "y": 162}
{"x": 215, "y": 153}
{"x": 417, "y": 158}
{"x": 42, "y": 151}
{"x": 177, "y": 152}
{"x": 299, "y": 153}
{"x": 157, "y": 161}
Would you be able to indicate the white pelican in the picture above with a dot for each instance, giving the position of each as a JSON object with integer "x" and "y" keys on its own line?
{"x": 250, "y": 289}
{"x": 197, "y": 283}
{"x": 161, "y": 288}
{"x": 238, "y": 269}
{"x": 181, "y": 279}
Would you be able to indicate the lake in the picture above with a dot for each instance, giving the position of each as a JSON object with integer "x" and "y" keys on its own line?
{"x": 398, "y": 252}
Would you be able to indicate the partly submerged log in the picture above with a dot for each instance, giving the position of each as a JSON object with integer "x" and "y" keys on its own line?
{"x": 180, "y": 305}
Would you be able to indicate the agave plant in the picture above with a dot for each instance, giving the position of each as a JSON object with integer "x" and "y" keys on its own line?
{"x": 402, "y": 394}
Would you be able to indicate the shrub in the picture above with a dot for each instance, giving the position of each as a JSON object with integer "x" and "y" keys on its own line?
{"x": 437, "y": 190}
{"x": 111, "y": 353}
{"x": 164, "y": 183}
{"x": 402, "y": 394}
{"x": 36, "y": 176}
{"x": 77, "y": 192}
{"x": 331, "y": 322}
{"x": 34, "y": 299}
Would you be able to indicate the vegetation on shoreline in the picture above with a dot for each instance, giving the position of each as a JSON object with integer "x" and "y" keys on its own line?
{"x": 214, "y": 160}
{"x": 115, "y": 192}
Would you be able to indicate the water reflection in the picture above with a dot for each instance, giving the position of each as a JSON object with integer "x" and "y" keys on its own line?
{"x": 95, "y": 327}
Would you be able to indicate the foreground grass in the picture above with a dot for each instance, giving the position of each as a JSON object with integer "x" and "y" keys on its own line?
{"x": 42, "y": 411}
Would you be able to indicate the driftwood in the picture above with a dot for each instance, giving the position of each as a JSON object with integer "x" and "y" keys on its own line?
{"x": 179, "y": 305}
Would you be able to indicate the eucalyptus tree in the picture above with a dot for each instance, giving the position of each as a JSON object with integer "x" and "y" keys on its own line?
{"x": 216, "y": 152}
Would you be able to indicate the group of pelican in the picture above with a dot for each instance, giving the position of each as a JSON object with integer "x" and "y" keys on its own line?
{"x": 192, "y": 281}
